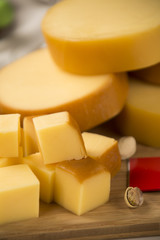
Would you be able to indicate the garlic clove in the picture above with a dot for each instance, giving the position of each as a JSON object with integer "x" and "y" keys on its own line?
{"x": 127, "y": 147}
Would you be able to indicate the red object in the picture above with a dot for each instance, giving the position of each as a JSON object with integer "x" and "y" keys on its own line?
{"x": 145, "y": 173}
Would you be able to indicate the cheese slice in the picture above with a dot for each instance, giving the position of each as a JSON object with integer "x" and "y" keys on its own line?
{"x": 45, "y": 175}
{"x": 81, "y": 186}
{"x": 150, "y": 74}
{"x": 101, "y": 36}
{"x": 104, "y": 150}
{"x": 140, "y": 117}
{"x": 10, "y": 135}
{"x": 19, "y": 194}
{"x": 34, "y": 85}
{"x": 59, "y": 138}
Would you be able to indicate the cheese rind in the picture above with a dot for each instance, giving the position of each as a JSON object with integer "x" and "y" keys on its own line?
{"x": 45, "y": 175}
{"x": 81, "y": 186}
{"x": 46, "y": 89}
{"x": 101, "y": 36}
{"x": 150, "y": 74}
{"x": 104, "y": 150}
{"x": 59, "y": 137}
{"x": 10, "y": 135}
{"x": 19, "y": 194}
{"x": 140, "y": 117}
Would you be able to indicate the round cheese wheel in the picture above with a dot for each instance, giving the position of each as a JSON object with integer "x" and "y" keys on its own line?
{"x": 34, "y": 85}
{"x": 103, "y": 36}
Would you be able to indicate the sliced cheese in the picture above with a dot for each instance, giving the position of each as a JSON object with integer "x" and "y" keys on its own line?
{"x": 10, "y": 135}
{"x": 19, "y": 194}
{"x": 81, "y": 186}
{"x": 34, "y": 85}
{"x": 140, "y": 117}
{"x": 59, "y": 138}
{"x": 150, "y": 74}
{"x": 45, "y": 175}
{"x": 101, "y": 36}
{"x": 104, "y": 150}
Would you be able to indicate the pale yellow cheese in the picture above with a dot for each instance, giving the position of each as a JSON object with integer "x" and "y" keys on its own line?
{"x": 81, "y": 186}
{"x": 104, "y": 150}
{"x": 34, "y": 85}
{"x": 150, "y": 74}
{"x": 5, "y": 162}
{"x": 140, "y": 117}
{"x": 59, "y": 137}
{"x": 101, "y": 36}
{"x": 19, "y": 194}
{"x": 29, "y": 137}
{"x": 10, "y": 135}
{"x": 45, "y": 175}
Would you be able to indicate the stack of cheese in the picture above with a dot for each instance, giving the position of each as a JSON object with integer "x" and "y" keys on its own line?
{"x": 72, "y": 169}
{"x": 91, "y": 46}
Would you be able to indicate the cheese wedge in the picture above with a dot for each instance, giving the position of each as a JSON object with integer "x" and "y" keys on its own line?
{"x": 59, "y": 138}
{"x": 29, "y": 137}
{"x": 10, "y": 135}
{"x": 104, "y": 150}
{"x": 45, "y": 175}
{"x": 150, "y": 74}
{"x": 140, "y": 117}
{"x": 103, "y": 36}
{"x": 19, "y": 194}
{"x": 81, "y": 186}
{"x": 34, "y": 85}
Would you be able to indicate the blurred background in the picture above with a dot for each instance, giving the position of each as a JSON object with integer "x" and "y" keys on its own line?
{"x": 20, "y": 27}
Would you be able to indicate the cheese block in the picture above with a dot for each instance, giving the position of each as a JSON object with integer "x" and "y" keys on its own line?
{"x": 81, "y": 186}
{"x": 104, "y": 150}
{"x": 10, "y": 135}
{"x": 34, "y": 85}
{"x": 59, "y": 138}
{"x": 5, "y": 162}
{"x": 140, "y": 117}
{"x": 30, "y": 145}
{"x": 45, "y": 175}
{"x": 19, "y": 194}
{"x": 150, "y": 74}
{"x": 103, "y": 36}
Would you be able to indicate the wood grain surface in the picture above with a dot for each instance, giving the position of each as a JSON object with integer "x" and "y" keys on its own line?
{"x": 110, "y": 221}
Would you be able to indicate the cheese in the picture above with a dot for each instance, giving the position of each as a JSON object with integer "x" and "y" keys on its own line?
{"x": 140, "y": 117}
{"x": 5, "y": 162}
{"x": 10, "y": 135}
{"x": 34, "y": 85}
{"x": 103, "y": 36}
{"x": 59, "y": 137}
{"x": 104, "y": 150}
{"x": 81, "y": 186}
{"x": 29, "y": 137}
{"x": 19, "y": 194}
{"x": 150, "y": 74}
{"x": 45, "y": 175}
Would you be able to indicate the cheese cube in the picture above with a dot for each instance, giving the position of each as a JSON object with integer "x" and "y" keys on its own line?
{"x": 29, "y": 137}
{"x": 4, "y": 162}
{"x": 104, "y": 150}
{"x": 45, "y": 175}
{"x": 10, "y": 135}
{"x": 19, "y": 194}
{"x": 59, "y": 138}
{"x": 81, "y": 186}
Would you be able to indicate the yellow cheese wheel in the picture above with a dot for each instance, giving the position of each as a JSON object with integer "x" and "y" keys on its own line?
{"x": 150, "y": 74}
{"x": 141, "y": 115}
{"x": 34, "y": 85}
{"x": 103, "y": 36}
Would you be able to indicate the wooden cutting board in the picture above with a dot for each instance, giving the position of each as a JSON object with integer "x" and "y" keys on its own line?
{"x": 110, "y": 221}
